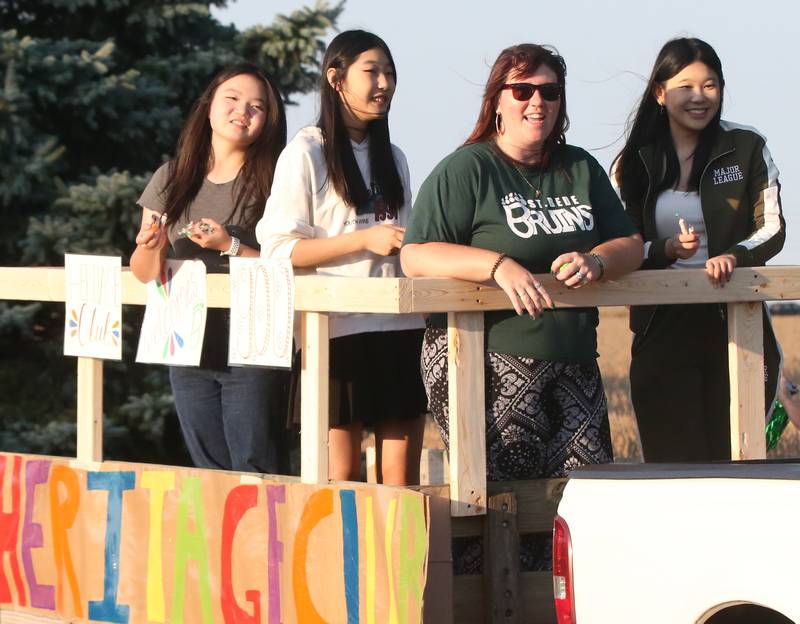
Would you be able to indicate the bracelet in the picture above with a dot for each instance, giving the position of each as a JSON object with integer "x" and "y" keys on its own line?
{"x": 601, "y": 265}
{"x": 497, "y": 264}
{"x": 234, "y": 248}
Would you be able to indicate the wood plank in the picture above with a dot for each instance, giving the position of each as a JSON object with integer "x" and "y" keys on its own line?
{"x": 438, "y": 596}
{"x": 347, "y": 294}
{"x": 314, "y": 397}
{"x": 90, "y": 410}
{"x": 746, "y": 366}
{"x": 537, "y": 502}
{"x": 638, "y": 288}
{"x": 403, "y": 295}
{"x": 536, "y": 590}
{"x": 433, "y": 467}
{"x": 501, "y": 560}
{"x": 467, "y": 413}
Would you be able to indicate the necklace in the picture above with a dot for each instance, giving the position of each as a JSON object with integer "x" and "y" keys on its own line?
{"x": 537, "y": 190}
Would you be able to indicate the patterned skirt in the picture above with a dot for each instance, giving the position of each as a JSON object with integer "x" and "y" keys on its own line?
{"x": 543, "y": 419}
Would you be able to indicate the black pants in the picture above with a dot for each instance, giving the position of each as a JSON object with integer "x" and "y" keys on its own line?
{"x": 680, "y": 387}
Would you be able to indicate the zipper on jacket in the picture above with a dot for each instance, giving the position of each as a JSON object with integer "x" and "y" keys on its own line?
{"x": 644, "y": 208}
{"x": 720, "y": 306}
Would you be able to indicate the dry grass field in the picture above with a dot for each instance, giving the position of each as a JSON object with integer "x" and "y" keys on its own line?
{"x": 614, "y": 339}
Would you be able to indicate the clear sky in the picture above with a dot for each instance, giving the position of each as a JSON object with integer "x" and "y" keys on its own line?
{"x": 443, "y": 50}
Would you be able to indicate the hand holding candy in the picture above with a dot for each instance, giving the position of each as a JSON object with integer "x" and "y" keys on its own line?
{"x": 152, "y": 235}
{"x": 208, "y": 234}
{"x": 576, "y": 269}
{"x": 684, "y": 244}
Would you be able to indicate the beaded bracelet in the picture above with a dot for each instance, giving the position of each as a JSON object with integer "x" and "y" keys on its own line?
{"x": 497, "y": 264}
{"x": 601, "y": 265}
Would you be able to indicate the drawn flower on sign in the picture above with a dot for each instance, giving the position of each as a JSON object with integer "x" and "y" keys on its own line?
{"x": 164, "y": 286}
{"x": 115, "y": 333}
{"x": 73, "y": 322}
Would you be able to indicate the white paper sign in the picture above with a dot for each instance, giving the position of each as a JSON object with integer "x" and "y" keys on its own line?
{"x": 93, "y": 306}
{"x": 262, "y": 312}
{"x": 175, "y": 316}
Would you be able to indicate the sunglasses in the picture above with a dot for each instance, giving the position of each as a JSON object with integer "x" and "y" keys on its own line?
{"x": 523, "y": 91}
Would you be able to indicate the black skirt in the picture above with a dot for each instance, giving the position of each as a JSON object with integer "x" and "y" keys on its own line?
{"x": 374, "y": 377}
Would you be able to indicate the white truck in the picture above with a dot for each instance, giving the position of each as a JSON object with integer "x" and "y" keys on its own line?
{"x": 679, "y": 544}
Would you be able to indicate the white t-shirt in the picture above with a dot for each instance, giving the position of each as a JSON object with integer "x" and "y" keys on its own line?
{"x": 302, "y": 205}
{"x": 673, "y": 205}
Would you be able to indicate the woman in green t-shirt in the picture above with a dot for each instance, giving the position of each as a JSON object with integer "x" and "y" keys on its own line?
{"x": 513, "y": 201}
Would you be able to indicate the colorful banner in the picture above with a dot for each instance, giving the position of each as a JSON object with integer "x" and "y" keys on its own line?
{"x": 93, "y": 306}
{"x": 262, "y": 312}
{"x": 140, "y": 543}
{"x": 175, "y": 316}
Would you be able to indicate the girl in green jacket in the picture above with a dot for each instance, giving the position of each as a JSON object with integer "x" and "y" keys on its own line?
{"x": 704, "y": 193}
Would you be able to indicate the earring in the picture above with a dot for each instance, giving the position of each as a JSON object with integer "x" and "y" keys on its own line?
{"x": 498, "y": 123}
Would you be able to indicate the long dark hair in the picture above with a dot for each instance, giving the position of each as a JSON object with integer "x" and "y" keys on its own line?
{"x": 650, "y": 124}
{"x": 522, "y": 60}
{"x": 194, "y": 155}
{"x": 343, "y": 171}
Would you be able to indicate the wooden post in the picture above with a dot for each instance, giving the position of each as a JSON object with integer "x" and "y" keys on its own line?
{"x": 314, "y": 398}
{"x": 501, "y": 561}
{"x": 90, "y": 409}
{"x": 746, "y": 364}
{"x": 467, "y": 413}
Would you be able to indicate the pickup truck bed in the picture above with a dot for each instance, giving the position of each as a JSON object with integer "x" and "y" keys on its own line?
{"x": 684, "y": 543}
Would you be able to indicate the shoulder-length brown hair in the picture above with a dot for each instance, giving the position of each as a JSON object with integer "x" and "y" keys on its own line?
{"x": 194, "y": 155}
{"x": 521, "y": 61}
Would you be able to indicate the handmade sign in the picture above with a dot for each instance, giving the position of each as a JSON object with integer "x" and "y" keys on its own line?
{"x": 262, "y": 312}
{"x": 175, "y": 316}
{"x": 93, "y": 306}
{"x": 140, "y": 543}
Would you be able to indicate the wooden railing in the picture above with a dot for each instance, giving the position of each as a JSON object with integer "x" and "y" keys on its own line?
{"x": 464, "y": 304}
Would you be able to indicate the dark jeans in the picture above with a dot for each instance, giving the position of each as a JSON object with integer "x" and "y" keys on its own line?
{"x": 232, "y": 419}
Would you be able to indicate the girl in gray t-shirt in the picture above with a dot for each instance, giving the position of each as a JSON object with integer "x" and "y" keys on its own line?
{"x": 205, "y": 204}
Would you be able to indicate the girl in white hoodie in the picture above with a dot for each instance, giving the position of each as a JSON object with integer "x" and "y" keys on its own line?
{"x": 339, "y": 204}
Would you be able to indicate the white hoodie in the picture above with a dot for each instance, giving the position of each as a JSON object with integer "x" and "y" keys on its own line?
{"x": 302, "y": 204}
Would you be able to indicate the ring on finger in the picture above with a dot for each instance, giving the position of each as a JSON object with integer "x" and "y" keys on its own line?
{"x": 537, "y": 285}
{"x": 580, "y": 275}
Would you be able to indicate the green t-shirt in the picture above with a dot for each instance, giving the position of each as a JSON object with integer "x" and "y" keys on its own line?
{"x": 476, "y": 197}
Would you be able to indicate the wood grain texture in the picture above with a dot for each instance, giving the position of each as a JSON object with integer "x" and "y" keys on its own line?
{"x": 537, "y": 502}
{"x": 536, "y": 591}
{"x": 466, "y": 411}
{"x": 314, "y": 393}
{"x": 501, "y": 560}
{"x": 638, "y": 288}
{"x": 90, "y": 410}
{"x": 404, "y": 295}
{"x": 746, "y": 368}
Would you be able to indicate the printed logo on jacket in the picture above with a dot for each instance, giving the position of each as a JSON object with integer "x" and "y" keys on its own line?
{"x": 727, "y": 174}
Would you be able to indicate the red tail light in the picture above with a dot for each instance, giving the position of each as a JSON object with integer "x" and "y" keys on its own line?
{"x": 562, "y": 572}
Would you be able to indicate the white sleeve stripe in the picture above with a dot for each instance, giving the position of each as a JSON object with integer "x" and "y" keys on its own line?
{"x": 647, "y": 249}
{"x": 772, "y": 208}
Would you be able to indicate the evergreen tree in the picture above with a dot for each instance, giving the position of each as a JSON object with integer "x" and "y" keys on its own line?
{"x": 92, "y": 99}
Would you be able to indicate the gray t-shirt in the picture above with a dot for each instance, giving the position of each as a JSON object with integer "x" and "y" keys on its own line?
{"x": 213, "y": 201}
